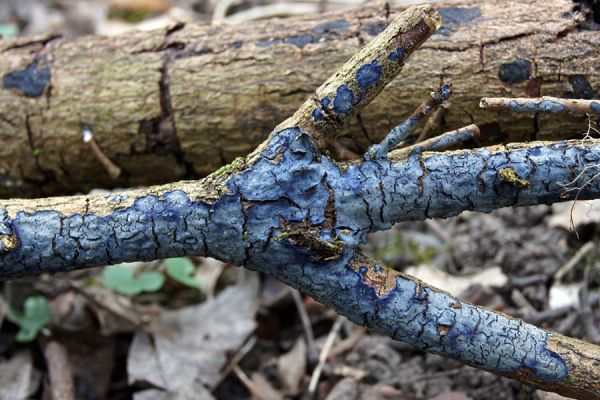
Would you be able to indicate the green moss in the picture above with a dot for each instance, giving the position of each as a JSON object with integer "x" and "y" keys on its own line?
{"x": 237, "y": 162}
{"x": 508, "y": 175}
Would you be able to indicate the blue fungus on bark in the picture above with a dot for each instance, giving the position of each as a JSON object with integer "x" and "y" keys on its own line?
{"x": 530, "y": 106}
{"x": 375, "y": 29}
{"x": 456, "y": 16}
{"x": 595, "y": 106}
{"x": 31, "y": 81}
{"x": 343, "y": 102}
{"x": 337, "y": 26}
{"x": 368, "y": 75}
{"x": 299, "y": 216}
{"x": 396, "y": 55}
{"x": 582, "y": 88}
{"x": 515, "y": 71}
{"x": 301, "y": 40}
{"x": 267, "y": 42}
{"x": 317, "y": 114}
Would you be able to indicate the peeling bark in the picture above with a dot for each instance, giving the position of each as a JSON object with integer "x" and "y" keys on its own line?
{"x": 179, "y": 103}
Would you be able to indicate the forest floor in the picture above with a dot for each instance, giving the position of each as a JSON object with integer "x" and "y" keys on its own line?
{"x": 195, "y": 328}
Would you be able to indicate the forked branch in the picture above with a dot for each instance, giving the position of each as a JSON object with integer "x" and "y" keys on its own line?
{"x": 291, "y": 211}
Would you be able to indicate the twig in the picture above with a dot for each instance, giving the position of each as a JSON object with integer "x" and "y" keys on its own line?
{"x": 314, "y": 379}
{"x": 342, "y": 152}
{"x": 88, "y": 137}
{"x": 349, "y": 343}
{"x": 433, "y": 122}
{"x": 573, "y": 261}
{"x": 235, "y": 360}
{"x": 248, "y": 383}
{"x": 306, "y": 325}
{"x": 586, "y": 313}
{"x": 542, "y": 104}
{"x": 442, "y": 142}
{"x": 59, "y": 369}
{"x": 401, "y": 132}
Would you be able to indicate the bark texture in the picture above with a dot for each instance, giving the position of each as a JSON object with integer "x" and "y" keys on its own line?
{"x": 291, "y": 211}
{"x": 178, "y": 103}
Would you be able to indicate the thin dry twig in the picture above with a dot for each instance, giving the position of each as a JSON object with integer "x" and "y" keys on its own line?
{"x": 314, "y": 379}
{"x": 235, "y": 360}
{"x": 306, "y": 325}
{"x": 61, "y": 375}
{"x": 573, "y": 261}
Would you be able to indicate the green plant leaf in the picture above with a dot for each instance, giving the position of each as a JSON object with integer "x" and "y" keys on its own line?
{"x": 35, "y": 316}
{"x": 121, "y": 279}
{"x": 182, "y": 270}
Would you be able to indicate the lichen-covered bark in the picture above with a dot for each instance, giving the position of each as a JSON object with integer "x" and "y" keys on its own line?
{"x": 179, "y": 103}
{"x": 301, "y": 217}
{"x": 291, "y": 211}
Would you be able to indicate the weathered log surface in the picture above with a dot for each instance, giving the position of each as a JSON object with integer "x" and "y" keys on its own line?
{"x": 173, "y": 104}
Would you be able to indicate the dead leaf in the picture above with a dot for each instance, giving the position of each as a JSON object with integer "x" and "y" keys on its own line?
{"x": 346, "y": 389}
{"x": 264, "y": 387}
{"x": 291, "y": 367}
{"x": 18, "y": 378}
{"x": 190, "y": 346}
{"x": 115, "y": 313}
{"x": 563, "y": 295}
{"x": 194, "y": 392}
{"x": 571, "y": 214}
{"x": 456, "y": 285}
{"x": 454, "y": 395}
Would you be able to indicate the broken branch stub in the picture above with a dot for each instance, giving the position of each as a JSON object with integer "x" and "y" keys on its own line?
{"x": 292, "y": 212}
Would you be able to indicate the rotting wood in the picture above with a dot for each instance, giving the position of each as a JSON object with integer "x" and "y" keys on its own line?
{"x": 178, "y": 103}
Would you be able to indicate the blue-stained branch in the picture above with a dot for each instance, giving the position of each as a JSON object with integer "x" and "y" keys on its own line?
{"x": 292, "y": 212}
{"x": 546, "y": 104}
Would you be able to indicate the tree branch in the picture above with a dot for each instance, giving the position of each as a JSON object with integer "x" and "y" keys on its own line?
{"x": 291, "y": 211}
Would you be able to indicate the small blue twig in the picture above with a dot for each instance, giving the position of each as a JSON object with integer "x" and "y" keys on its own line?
{"x": 401, "y": 132}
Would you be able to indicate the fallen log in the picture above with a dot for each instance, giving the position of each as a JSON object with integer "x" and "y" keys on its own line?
{"x": 179, "y": 103}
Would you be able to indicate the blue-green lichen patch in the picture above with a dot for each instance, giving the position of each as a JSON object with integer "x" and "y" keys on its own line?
{"x": 515, "y": 71}
{"x": 595, "y": 107}
{"x": 368, "y": 75}
{"x": 31, "y": 81}
{"x": 343, "y": 102}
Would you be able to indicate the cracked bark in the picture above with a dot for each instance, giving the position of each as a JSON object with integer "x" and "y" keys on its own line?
{"x": 291, "y": 211}
{"x": 176, "y": 103}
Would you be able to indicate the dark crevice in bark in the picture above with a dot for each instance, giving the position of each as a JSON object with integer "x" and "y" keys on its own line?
{"x": 164, "y": 139}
